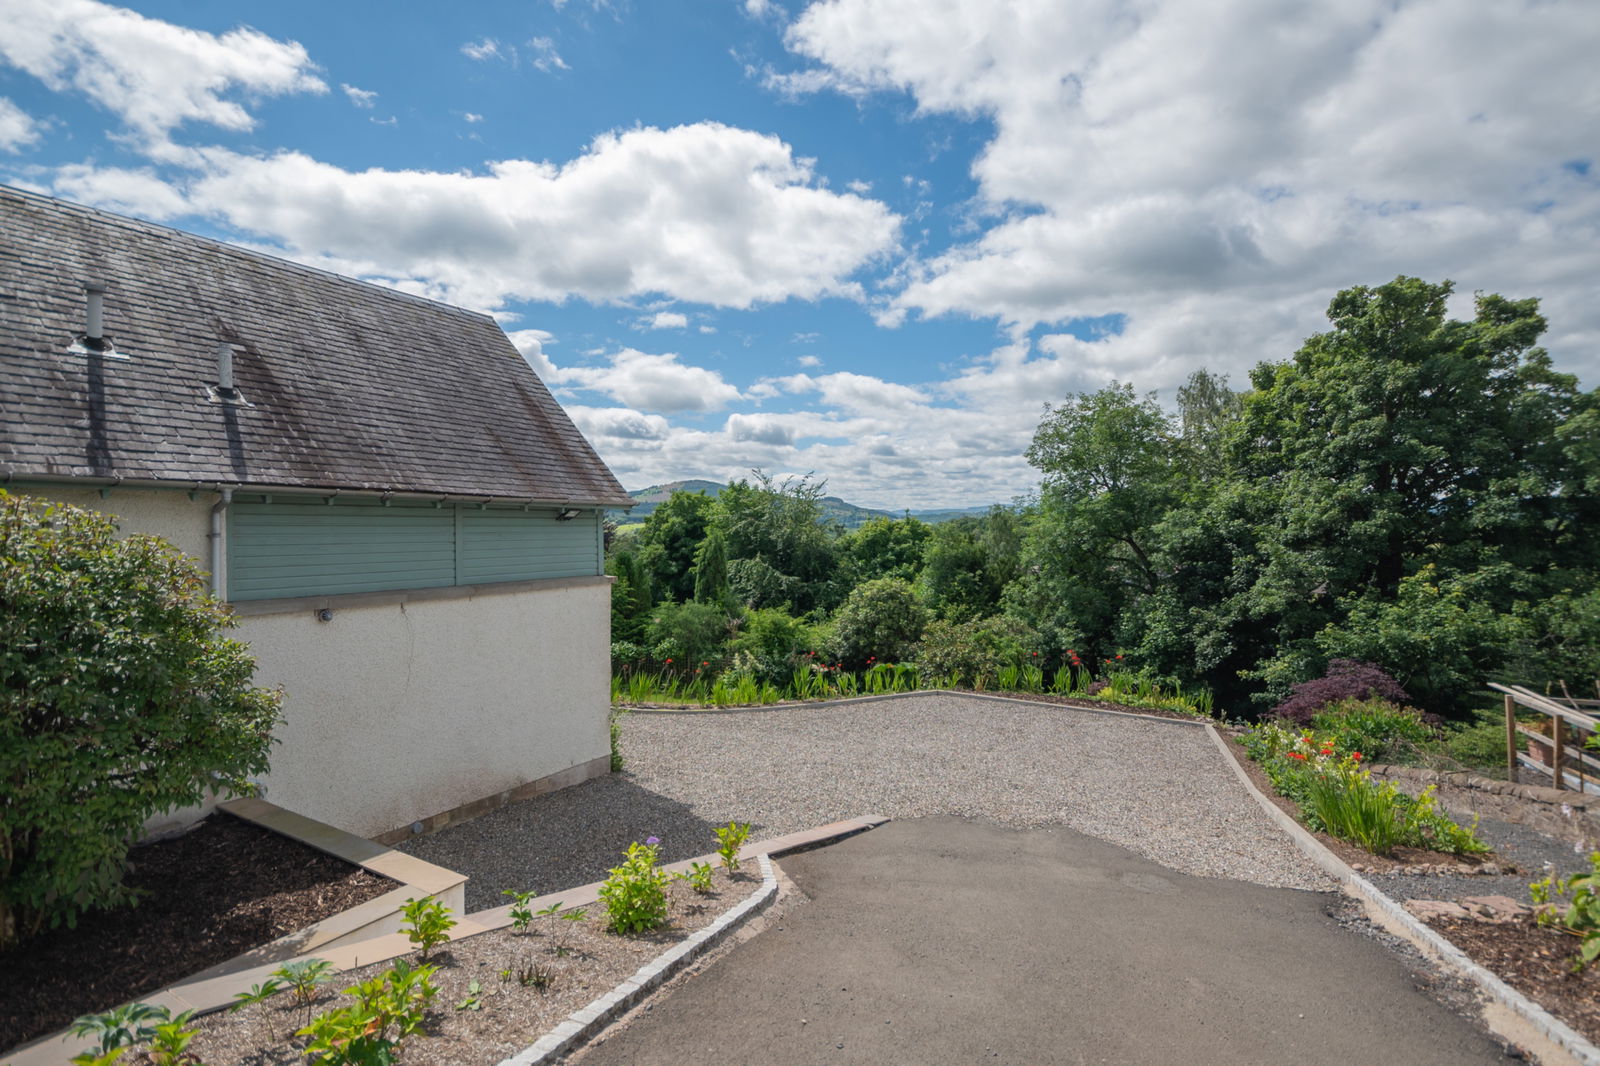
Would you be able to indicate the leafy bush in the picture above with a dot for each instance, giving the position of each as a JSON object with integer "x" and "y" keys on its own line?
{"x": 978, "y": 650}
{"x": 1346, "y": 679}
{"x": 770, "y": 644}
{"x": 1380, "y": 730}
{"x": 880, "y": 619}
{"x": 1582, "y": 913}
{"x": 1480, "y": 744}
{"x": 388, "y": 1008}
{"x": 118, "y": 700}
{"x": 635, "y": 895}
{"x": 688, "y": 632}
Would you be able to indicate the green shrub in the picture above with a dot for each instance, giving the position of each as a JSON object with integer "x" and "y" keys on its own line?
{"x": 880, "y": 620}
{"x": 1380, "y": 730}
{"x": 1479, "y": 744}
{"x": 635, "y": 895}
{"x": 688, "y": 633}
{"x": 977, "y": 650}
{"x": 118, "y": 700}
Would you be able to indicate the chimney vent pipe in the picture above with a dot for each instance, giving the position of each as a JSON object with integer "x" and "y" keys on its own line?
{"x": 225, "y": 369}
{"x": 95, "y": 333}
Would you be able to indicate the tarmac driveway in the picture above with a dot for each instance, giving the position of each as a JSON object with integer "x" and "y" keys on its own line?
{"x": 948, "y": 940}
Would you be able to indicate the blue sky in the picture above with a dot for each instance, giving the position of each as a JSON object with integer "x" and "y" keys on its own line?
{"x": 863, "y": 239}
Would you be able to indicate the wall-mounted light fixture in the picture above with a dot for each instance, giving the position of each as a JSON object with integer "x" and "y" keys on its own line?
{"x": 568, "y": 514}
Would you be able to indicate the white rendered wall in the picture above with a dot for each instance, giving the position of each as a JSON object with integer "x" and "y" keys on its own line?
{"x": 395, "y": 712}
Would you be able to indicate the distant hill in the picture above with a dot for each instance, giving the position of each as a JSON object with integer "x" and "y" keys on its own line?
{"x": 834, "y": 509}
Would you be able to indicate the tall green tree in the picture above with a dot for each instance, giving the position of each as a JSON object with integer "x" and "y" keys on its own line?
{"x": 669, "y": 541}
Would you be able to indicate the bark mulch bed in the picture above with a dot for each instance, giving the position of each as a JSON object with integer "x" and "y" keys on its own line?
{"x": 219, "y": 890}
{"x": 509, "y": 1015}
{"x": 1536, "y": 962}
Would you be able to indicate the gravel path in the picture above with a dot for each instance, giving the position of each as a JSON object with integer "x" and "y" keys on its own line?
{"x": 1528, "y": 848}
{"x": 1157, "y": 788}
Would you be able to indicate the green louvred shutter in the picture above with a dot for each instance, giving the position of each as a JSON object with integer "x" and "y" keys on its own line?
{"x": 295, "y": 547}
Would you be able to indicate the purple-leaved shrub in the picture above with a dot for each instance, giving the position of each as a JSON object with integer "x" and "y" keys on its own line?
{"x": 1346, "y": 679}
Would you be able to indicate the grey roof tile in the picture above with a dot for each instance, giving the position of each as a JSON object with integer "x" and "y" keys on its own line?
{"x": 353, "y": 386}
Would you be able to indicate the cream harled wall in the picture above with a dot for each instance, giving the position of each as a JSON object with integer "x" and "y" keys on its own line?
{"x": 394, "y": 712}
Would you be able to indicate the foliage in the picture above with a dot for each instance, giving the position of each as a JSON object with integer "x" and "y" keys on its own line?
{"x": 885, "y": 547}
{"x": 426, "y": 923}
{"x": 1582, "y": 913}
{"x": 118, "y": 700}
{"x": 169, "y": 1043}
{"x": 730, "y": 838}
{"x": 698, "y": 876}
{"x": 635, "y": 893}
{"x": 880, "y": 620}
{"x": 614, "y": 722}
{"x": 131, "y": 1023}
{"x": 771, "y": 643}
{"x": 977, "y": 649}
{"x": 1381, "y": 730}
{"x": 668, "y": 543}
{"x": 779, "y": 525}
{"x": 1345, "y": 680}
{"x": 520, "y": 913}
{"x": 388, "y": 1008}
{"x": 688, "y": 632}
{"x": 711, "y": 571}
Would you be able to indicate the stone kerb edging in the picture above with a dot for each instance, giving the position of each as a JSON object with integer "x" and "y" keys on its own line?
{"x": 787, "y": 705}
{"x": 583, "y": 1024}
{"x": 1519, "y": 1020}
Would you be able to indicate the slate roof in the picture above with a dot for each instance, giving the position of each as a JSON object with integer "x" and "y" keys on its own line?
{"x": 353, "y": 386}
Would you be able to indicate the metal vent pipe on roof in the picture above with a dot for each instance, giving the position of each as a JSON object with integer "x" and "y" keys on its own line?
{"x": 95, "y": 333}
{"x": 225, "y": 369}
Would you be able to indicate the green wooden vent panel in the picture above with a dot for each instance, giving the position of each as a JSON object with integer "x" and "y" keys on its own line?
{"x": 291, "y": 547}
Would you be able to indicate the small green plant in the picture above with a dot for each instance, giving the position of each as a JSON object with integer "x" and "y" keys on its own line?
{"x": 699, "y": 877}
{"x": 132, "y": 1023}
{"x": 427, "y": 924}
{"x": 91, "y": 1058}
{"x": 577, "y": 914}
{"x": 304, "y": 978}
{"x": 1582, "y": 914}
{"x": 552, "y": 911}
{"x": 730, "y": 838}
{"x": 521, "y": 913}
{"x": 617, "y": 714}
{"x": 474, "y": 1000}
{"x": 258, "y": 994}
{"x": 388, "y": 1008}
{"x": 635, "y": 895}
{"x": 170, "y": 1041}
{"x": 529, "y": 975}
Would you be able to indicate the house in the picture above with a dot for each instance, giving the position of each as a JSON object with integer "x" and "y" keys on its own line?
{"x": 408, "y": 526}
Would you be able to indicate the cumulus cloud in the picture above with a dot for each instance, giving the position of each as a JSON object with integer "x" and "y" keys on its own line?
{"x": 153, "y": 75}
{"x": 651, "y": 382}
{"x": 17, "y": 127}
{"x": 704, "y": 213}
{"x": 1139, "y": 164}
{"x": 809, "y": 361}
{"x": 130, "y": 191}
{"x": 668, "y": 320}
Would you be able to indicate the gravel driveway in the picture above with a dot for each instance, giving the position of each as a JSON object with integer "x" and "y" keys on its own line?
{"x": 1158, "y": 788}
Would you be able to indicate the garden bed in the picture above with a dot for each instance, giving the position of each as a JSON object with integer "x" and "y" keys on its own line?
{"x": 222, "y": 888}
{"x": 1536, "y": 962}
{"x": 508, "y": 1015}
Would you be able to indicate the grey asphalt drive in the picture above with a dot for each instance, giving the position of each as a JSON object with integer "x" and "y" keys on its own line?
{"x": 946, "y": 940}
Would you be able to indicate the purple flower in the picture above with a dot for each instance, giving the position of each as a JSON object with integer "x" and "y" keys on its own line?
{"x": 652, "y": 840}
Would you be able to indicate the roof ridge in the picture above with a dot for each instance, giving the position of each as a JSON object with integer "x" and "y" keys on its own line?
{"x": 278, "y": 261}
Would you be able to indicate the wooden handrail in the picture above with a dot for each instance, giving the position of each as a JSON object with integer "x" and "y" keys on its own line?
{"x": 1517, "y": 695}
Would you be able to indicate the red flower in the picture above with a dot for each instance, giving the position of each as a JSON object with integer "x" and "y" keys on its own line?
{"x": 1296, "y": 755}
{"x": 1119, "y": 656}
{"x": 1356, "y": 755}
{"x": 669, "y": 662}
{"x": 1035, "y": 655}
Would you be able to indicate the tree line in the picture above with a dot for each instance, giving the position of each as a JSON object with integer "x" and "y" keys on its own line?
{"x": 1407, "y": 490}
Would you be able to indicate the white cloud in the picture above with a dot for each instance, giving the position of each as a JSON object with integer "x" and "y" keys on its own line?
{"x": 1144, "y": 163}
{"x": 704, "y": 213}
{"x": 611, "y": 424}
{"x": 17, "y": 128}
{"x": 488, "y": 48}
{"x": 129, "y": 191}
{"x": 472, "y": 117}
{"x": 545, "y": 56}
{"x": 155, "y": 76}
{"x": 765, "y": 429}
{"x": 360, "y": 97}
{"x": 809, "y": 361}
{"x": 668, "y": 320}
{"x": 650, "y": 382}
{"x": 708, "y": 329}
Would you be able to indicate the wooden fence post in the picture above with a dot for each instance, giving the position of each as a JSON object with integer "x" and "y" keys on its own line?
{"x": 1511, "y": 738}
{"x": 1559, "y": 730}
